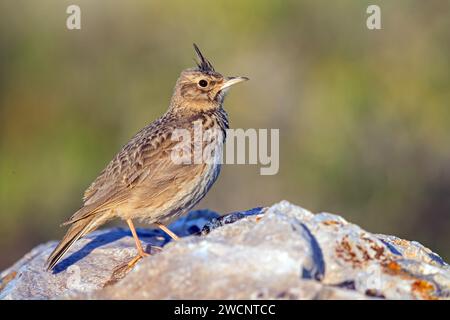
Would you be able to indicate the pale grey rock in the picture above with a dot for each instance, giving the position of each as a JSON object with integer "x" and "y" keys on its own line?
{"x": 281, "y": 252}
{"x": 91, "y": 262}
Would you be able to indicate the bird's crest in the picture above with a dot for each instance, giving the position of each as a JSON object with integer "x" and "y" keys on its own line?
{"x": 203, "y": 64}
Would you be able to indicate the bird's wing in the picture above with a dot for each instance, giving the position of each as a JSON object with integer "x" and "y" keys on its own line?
{"x": 147, "y": 154}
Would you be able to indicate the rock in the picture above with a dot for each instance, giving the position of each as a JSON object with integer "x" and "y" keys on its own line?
{"x": 281, "y": 252}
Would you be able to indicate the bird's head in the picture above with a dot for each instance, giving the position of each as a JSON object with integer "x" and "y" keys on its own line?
{"x": 202, "y": 88}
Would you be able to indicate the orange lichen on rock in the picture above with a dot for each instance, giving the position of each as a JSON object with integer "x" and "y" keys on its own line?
{"x": 393, "y": 268}
{"x": 331, "y": 222}
{"x": 6, "y": 279}
{"x": 424, "y": 289}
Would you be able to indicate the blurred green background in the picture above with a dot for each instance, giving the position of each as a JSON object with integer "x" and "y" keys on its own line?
{"x": 364, "y": 116}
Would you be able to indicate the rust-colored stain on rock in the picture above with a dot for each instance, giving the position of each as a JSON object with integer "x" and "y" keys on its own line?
{"x": 360, "y": 254}
{"x": 6, "y": 279}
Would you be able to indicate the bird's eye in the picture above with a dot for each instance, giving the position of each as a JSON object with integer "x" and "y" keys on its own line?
{"x": 203, "y": 83}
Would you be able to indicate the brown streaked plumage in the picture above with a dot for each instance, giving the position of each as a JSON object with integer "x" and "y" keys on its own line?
{"x": 142, "y": 181}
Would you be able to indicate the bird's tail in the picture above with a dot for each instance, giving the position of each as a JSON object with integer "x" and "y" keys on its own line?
{"x": 75, "y": 232}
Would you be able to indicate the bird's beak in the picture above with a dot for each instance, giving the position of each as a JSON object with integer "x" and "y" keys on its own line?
{"x": 232, "y": 81}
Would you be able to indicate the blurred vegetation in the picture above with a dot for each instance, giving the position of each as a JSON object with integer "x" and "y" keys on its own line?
{"x": 364, "y": 116}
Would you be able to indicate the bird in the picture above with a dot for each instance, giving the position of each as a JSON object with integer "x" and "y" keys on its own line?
{"x": 143, "y": 181}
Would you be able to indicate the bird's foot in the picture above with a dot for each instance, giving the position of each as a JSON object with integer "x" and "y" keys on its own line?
{"x": 136, "y": 259}
{"x": 122, "y": 270}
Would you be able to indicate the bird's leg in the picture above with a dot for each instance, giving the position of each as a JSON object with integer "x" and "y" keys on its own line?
{"x": 141, "y": 252}
{"x": 166, "y": 230}
{"x": 120, "y": 271}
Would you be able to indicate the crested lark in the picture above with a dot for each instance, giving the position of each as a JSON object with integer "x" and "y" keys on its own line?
{"x": 143, "y": 181}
